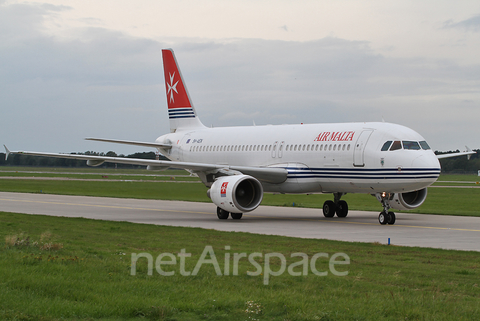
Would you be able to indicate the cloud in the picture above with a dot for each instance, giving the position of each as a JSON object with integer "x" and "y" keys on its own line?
{"x": 471, "y": 24}
{"x": 103, "y": 83}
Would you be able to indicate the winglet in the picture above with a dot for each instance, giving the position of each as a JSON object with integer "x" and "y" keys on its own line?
{"x": 7, "y": 152}
{"x": 468, "y": 150}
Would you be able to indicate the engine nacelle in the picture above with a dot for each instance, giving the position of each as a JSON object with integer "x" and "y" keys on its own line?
{"x": 236, "y": 193}
{"x": 407, "y": 201}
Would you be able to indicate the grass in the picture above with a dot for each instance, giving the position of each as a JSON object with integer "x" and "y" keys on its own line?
{"x": 88, "y": 277}
{"x": 459, "y": 178}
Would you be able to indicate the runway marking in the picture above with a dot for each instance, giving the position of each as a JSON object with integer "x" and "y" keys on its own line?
{"x": 257, "y": 216}
{"x": 361, "y": 223}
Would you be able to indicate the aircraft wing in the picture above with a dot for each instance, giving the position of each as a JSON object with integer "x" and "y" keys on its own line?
{"x": 273, "y": 175}
{"x": 131, "y": 142}
{"x": 469, "y": 152}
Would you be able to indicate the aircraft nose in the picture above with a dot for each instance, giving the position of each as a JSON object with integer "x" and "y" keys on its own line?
{"x": 426, "y": 161}
{"x": 429, "y": 163}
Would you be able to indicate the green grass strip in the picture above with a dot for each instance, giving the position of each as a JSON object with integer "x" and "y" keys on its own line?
{"x": 89, "y": 276}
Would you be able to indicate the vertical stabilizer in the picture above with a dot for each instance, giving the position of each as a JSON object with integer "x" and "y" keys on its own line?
{"x": 181, "y": 112}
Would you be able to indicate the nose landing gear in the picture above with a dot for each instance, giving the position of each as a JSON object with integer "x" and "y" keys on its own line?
{"x": 386, "y": 217}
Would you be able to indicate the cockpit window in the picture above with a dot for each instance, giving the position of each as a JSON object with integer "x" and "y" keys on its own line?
{"x": 411, "y": 145}
{"x": 386, "y": 146}
{"x": 396, "y": 145}
{"x": 424, "y": 145}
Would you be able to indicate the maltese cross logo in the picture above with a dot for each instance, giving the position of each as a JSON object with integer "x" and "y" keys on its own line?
{"x": 172, "y": 87}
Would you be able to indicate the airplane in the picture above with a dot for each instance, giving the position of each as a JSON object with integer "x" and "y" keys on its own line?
{"x": 239, "y": 164}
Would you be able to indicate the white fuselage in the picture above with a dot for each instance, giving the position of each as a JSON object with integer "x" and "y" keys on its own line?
{"x": 342, "y": 157}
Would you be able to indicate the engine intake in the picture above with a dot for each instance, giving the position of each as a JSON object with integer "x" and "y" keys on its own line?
{"x": 236, "y": 193}
{"x": 407, "y": 201}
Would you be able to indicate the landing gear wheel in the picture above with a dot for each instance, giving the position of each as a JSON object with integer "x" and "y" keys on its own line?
{"x": 383, "y": 218}
{"x": 329, "y": 209}
{"x": 391, "y": 218}
{"x": 222, "y": 214}
{"x": 342, "y": 209}
{"x": 236, "y": 216}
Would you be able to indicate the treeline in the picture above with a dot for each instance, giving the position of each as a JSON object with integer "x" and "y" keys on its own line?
{"x": 40, "y": 161}
{"x": 449, "y": 165}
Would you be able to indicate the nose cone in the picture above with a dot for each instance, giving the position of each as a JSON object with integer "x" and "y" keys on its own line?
{"x": 428, "y": 166}
{"x": 426, "y": 161}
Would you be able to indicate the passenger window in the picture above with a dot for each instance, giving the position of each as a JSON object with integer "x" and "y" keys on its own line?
{"x": 334, "y": 146}
{"x": 396, "y": 145}
{"x": 410, "y": 145}
{"x": 386, "y": 146}
{"x": 424, "y": 145}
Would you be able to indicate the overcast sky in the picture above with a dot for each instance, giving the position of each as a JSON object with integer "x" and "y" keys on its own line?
{"x": 76, "y": 69}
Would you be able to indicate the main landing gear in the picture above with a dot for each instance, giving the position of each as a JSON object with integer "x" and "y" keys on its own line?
{"x": 386, "y": 217}
{"x": 223, "y": 215}
{"x": 330, "y": 208}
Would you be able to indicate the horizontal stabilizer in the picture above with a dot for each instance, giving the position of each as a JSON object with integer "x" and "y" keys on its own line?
{"x": 131, "y": 142}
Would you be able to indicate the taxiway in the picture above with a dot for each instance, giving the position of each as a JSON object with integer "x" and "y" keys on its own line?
{"x": 435, "y": 231}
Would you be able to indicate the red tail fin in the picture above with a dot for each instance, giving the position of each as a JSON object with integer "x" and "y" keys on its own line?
{"x": 177, "y": 95}
{"x": 180, "y": 108}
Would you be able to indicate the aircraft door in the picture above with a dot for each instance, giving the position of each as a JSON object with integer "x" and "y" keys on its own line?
{"x": 183, "y": 147}
{"x": 280, "y": 149}
{"x": 274, "y": 149}
{"x": 359, "y": 148}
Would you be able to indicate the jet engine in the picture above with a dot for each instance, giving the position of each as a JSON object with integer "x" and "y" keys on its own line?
{"x": 236, "y": 193}
{"x": 407, "y": 201}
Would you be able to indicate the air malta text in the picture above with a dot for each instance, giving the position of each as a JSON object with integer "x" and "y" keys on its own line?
{"x": 334, "y": 137}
